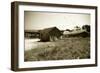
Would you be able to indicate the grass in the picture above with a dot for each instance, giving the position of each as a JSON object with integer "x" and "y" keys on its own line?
{"x": 67, "y": 48}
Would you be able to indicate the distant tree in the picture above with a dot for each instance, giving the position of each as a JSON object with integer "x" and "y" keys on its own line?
{"x": 86, "y": 27}
{"x": 67, "y": 29}
{"x": 77, "y": 28}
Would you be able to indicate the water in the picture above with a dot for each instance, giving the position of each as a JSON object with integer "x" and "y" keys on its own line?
{"x": 31, "y": 43}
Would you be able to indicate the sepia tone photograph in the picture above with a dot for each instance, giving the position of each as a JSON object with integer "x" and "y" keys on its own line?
{"x": 56, "y": 36}
{"x": 52, "y": 36}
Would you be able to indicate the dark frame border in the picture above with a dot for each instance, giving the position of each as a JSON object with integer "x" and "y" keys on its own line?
{"x": 15, "y": 34}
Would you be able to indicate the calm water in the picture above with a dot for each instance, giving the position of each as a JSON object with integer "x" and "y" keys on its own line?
{"x": 31, "y": 43}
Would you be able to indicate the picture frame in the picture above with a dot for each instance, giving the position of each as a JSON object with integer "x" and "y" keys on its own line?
{"x": 23, "y": 12}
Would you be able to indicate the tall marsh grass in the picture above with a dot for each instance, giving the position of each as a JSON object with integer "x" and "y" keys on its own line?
{"x": 68, "y": 48}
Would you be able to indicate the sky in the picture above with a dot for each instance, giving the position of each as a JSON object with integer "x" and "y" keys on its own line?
{"x": 40, "y": 20}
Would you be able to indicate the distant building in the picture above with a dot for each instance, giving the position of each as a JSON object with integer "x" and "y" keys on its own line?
{"x": 76, "y": 33}
{"x": 50, "y": 34}
{"x": 32, "y": 34}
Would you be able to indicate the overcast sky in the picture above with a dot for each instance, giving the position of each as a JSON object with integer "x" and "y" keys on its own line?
{"x": 41, "y": 20}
